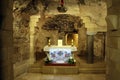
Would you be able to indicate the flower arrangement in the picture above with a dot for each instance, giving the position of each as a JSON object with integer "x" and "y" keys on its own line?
{"x": 71, "y": 60}
{"x": 47, "y": 60}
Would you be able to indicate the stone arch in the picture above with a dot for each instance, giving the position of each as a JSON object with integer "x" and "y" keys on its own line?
{"x": 57, "y": 26}
{"x": 63, "y": 22}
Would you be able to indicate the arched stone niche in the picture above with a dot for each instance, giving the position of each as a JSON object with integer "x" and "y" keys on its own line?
{"x": 57, "y": 27}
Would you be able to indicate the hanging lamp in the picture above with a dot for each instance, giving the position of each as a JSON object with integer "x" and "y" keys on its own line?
{"x": 61, "y": 8}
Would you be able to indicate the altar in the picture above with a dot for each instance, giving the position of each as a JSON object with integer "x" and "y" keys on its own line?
{"x": 60, "y": 54}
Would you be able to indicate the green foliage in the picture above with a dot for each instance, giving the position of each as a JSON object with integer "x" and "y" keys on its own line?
{"x": 71, "y": 61}
{"x": 47, "y": 61}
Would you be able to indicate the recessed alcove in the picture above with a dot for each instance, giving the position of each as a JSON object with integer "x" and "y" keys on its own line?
{"x": 32, "y": 30}
{"x": 70, "y": 37}
{"x": 19, "y": 40}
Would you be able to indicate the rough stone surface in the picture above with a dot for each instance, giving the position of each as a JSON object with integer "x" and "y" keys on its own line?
{"x": 99, "y": 42}
{"x": 94, "y": 15}
{"x": 21, "y": 37}
{"x": 113, "y": 50}
{"x": 21, "y": 29}
{"x": 82, "y": 39}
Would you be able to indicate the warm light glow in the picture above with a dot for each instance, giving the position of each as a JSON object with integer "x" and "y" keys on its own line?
{"x": 72, "y": 38}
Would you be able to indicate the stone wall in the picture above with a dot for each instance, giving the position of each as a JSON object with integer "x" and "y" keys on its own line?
{"x": 99, "y": 45}
{"x": 113, "y": 41}
{"x": 21, "y": 43}
{"x": 93, "y": 15}
{"x": 21, "y": 31}
{"x": 82, "y": 39}
{"x": 22, "y": 10}
{"x": 21, "y": 37}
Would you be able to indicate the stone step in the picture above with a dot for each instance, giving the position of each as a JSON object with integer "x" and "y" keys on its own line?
{"x": 60, "y": 70}
{"x": 39, "y": 67}
{"x": 34, "y": 70}
{"x": 65, "y": 70}
{"x": 54, "y": 69}
{"x": 102, "y": 65}
{"x": 92, "y": 70}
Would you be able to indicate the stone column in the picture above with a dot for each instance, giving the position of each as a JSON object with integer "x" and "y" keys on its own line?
{"x": 6, "y": 40}
{"x": 82, "y": 40}
{"x": 33, "y": 22}
{"x": 90, "y": 48}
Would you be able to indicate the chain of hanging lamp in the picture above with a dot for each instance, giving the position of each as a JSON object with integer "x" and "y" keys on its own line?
{"x": 62, "y": 2}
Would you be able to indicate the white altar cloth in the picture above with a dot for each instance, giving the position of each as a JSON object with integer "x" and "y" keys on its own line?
{"x": 60, "y": 53}
{"x": 48, "y": 48}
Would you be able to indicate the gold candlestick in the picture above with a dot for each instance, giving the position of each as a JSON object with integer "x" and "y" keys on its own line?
{"x": 49, "y": 42}
{"x": 72, "y": 42}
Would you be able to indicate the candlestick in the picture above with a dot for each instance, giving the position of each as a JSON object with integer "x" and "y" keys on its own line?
{"x": 48, "y": 42}
{"x": 72, "y": 42}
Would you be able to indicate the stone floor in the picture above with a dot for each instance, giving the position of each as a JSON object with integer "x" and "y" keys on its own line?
{"x": 39, "y": 76}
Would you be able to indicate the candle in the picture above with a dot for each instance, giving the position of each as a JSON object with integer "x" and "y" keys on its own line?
{"x": 72, "y": 40}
